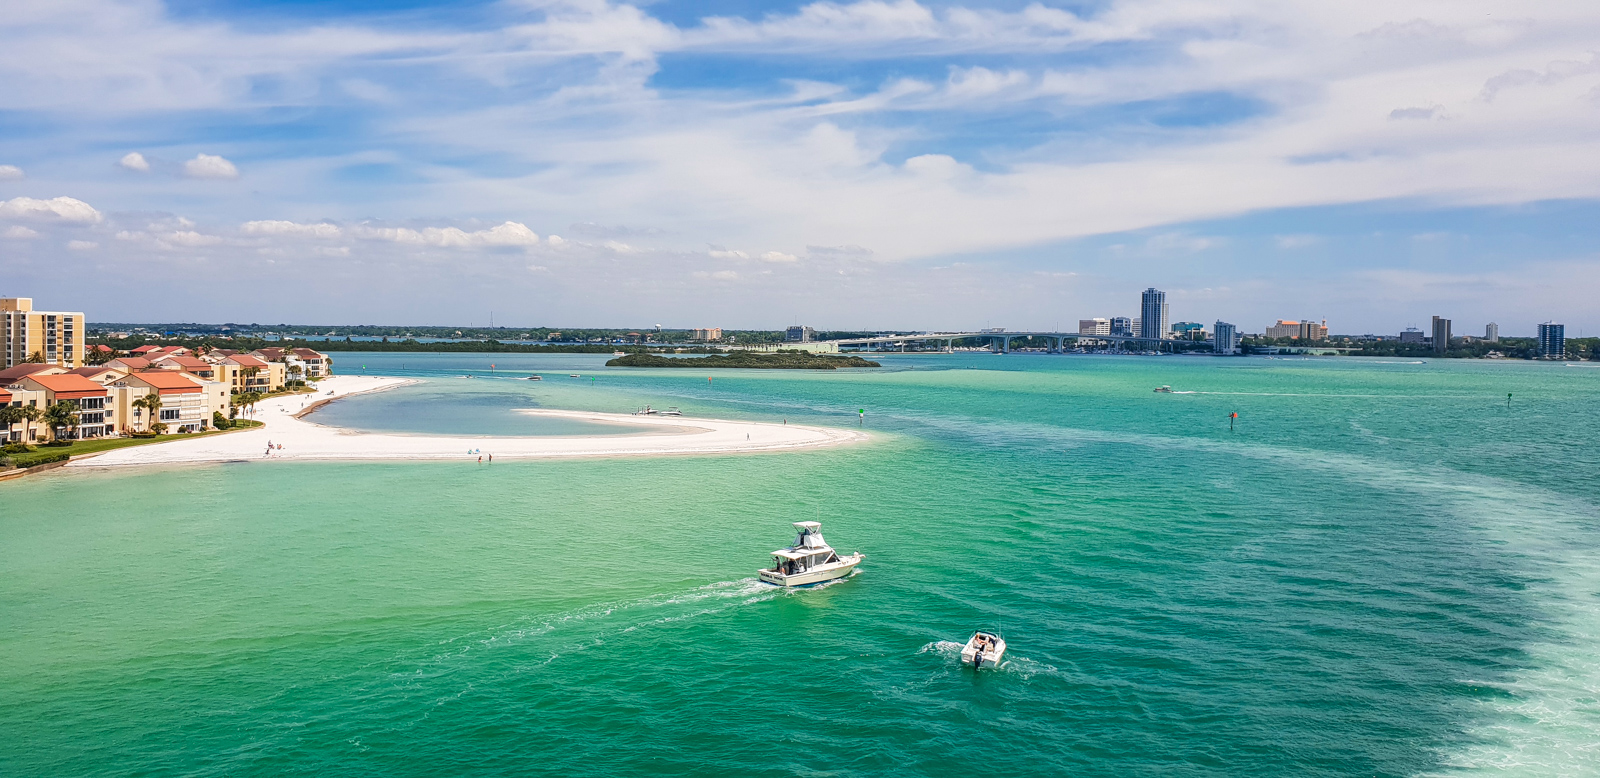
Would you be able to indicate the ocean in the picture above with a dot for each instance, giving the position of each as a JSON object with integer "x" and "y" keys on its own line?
{"x": 1382, "y": 569}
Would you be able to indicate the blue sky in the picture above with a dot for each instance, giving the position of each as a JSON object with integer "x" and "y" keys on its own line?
{"x": 848, "y": 165}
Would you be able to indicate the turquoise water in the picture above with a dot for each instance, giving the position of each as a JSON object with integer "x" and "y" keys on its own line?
{"x": 1381, "y": 571}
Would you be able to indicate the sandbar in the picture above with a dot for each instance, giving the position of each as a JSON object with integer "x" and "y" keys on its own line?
{"x": 303, "y": 439}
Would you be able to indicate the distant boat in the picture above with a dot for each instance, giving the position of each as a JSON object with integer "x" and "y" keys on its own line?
{"x": 983, "y": 650}
{"x": 534, "y": 378}
{"x": 1164, "y": 389}
{"x": 619, "y": 353}
{"x": 809, "y": 561}
{"x": 574, "y": 375}
{"x": 673, "y": 411}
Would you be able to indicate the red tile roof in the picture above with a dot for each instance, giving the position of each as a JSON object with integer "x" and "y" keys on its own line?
{"x": 187, "y": 363}
{"x": 245, "y": 360}
{"x": 101, "y": 347}
{"x": 167, "y": 381}
{"x": 16, "y": 373}
{"x": 66, "y": 386}
{"x": 91, "y": 372}
{"x": 142, "y": 350}
{"x": 133, "y": 363}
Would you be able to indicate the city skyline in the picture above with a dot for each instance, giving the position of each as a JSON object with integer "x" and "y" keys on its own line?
{"x": 876, "y": 164}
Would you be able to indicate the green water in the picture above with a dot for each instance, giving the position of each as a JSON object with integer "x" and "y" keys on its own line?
{"x": 1381, "y": 571}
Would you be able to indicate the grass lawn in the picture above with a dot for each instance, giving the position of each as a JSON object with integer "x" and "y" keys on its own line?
{"x": 94, "y": 445}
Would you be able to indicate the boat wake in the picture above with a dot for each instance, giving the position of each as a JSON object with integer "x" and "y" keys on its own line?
{"x": 1019, "y": 666}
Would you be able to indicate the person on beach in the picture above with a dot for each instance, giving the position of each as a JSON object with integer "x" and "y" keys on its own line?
{"x": 491, "y": 458}
{"x": 480, "y": 460}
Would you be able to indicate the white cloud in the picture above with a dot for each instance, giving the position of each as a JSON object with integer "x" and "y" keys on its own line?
{"x": 11, "y": 173}
{"x": 726, "y": 254}
{"x": 82, "y": 245}
{"x": 291, "y": 229}
{"x": 507, "y": 234}
{"x": 556, "y": 240}
{"x": 187, "y": 239}
{"x": 778, "y": 256}
{"x": 59, "y": 209}
{"x": 1297, "y": 241}
{"x": 134, "y": 161}
{"x": 20, "y": 232}
{"x": 210, "y": 166}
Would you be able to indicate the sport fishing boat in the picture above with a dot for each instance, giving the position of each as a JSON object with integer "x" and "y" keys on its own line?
{"x": 809, "y": 561}
{"x": 983, "y": 650}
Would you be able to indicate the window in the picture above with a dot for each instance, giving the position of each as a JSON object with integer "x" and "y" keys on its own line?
{"x": 169, "y": 414}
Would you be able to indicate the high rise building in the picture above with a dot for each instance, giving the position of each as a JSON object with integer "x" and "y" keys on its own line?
{"x": 1153, "y": 314}
{"x": 1094, "y": 326}
{"x": 1122, "y": 325}
{"x": 1441, "y": 335}
{"x": 1552, "y": 340}
{"x": 1227, "y": 338}
{"x": 1491, "y": 332}
{"x": 54, "y": 337}
{"x": 799, "y": 334}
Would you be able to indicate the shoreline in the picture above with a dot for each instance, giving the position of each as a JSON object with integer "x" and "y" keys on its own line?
{"x": 304, "y": 440}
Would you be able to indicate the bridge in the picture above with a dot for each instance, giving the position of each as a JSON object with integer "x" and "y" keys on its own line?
{"x": 1000, "y": 338}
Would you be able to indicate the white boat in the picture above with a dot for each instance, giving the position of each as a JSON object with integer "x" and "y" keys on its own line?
{"x": 646, "y": 411}
{"x": 983, "y": 649}
{"x": 1163, "y": 389}
{"x": 574, "y": 375}
{"x": 809, "y": 561}
{"x": 619, "y": 353}
{"x": 673, "y": 411}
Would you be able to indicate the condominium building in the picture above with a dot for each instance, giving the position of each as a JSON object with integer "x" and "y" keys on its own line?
{"x": 1552, "y": 340}
{"x": 1094, "y": 326}
{"x": 709, "y": 333}
{"x": 1491, "y": 332}
{"x": 87, "y": 397}
{"x": 1153, "y": 314}
{"x": 799, "y": 334}
{"x": 1227, "y": 338}
{"x": 1441, "y": 335}
{"x": 51, "y": 337}
{"x": 188, "y": 404}
{"x": 1300, "y": 330}
{"x": 1124, "y": 326}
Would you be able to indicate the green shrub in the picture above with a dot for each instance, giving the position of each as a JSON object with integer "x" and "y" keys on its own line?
{"x": 42, "y": 459}
{"x": 16, "y": 448}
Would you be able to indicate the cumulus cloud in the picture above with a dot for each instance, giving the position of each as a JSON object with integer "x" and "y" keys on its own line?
{"x": 210, "y": 166}
{"x": 10, "y": 173}
{"x": 187, "y": 239}
{"x": 82, "y": 245}
{"x": 56, "y": 209}
{"x": 291, "y": 229}
{"x": 778, "y": 256}
{"x": 20, "y": 232}
{"x": 134, "y": 161}
{"x": 507, "y": 234}
{"x": 720, "y": 253}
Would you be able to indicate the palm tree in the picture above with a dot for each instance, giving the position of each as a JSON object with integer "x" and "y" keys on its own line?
{"x": 30, "y": 414}
{"x": 9, "y": 416}
{"x": 61, "y": 415}
{"x": 249, "y": 373}
{"x": 152, "y": 403}
{"x": 36, "y": 358}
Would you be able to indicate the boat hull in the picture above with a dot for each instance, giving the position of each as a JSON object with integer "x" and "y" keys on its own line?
{"x": 990, "y": 658}
{"x": 816, "y": 575}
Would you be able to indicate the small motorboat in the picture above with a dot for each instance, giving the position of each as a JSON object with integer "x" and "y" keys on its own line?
{"x": 619, "y": 353}
{"x": 809, "y": 561}
{"x": 672, "y": 411}
{"x": 646, "y": 411}
{"x": 574, "y": 375}
{"x": 1163, "y": 389}
{"x": 983, "y": 649}
{"x": 535, "y": 378}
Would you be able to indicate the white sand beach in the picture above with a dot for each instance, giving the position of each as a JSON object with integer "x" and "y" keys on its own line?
{"x": 303, "y": 439}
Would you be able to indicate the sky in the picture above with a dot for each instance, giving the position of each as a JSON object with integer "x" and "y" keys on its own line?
{"x": 846, "y": 165}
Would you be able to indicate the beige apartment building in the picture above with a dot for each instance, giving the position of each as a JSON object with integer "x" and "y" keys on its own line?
{"x": 55, "y": 337}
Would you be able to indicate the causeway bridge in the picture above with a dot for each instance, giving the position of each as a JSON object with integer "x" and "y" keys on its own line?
{"x": 1000, "y": 340}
